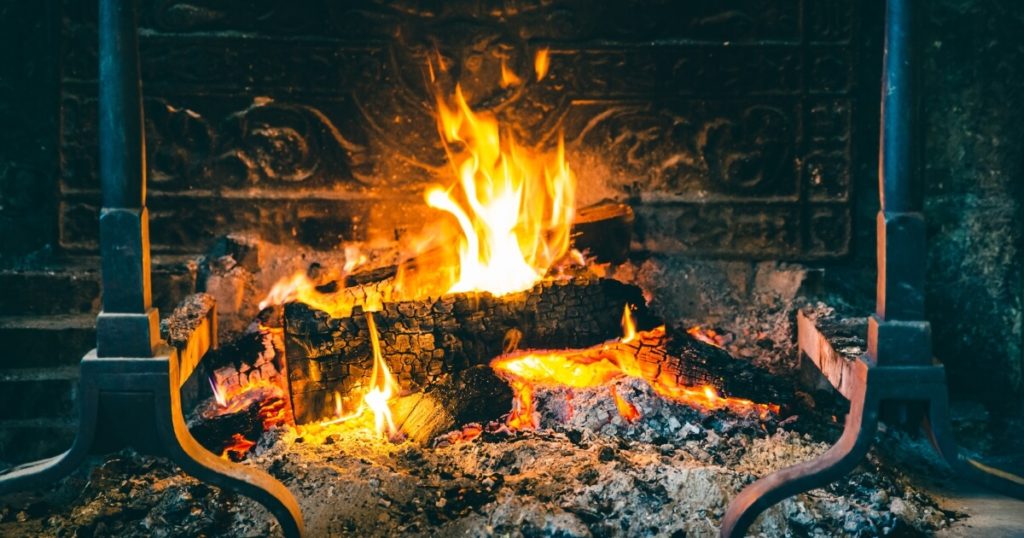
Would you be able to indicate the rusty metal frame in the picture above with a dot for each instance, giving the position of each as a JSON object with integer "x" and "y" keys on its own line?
{"x": 130, "y": 385}
{"x": 898, "y": 367}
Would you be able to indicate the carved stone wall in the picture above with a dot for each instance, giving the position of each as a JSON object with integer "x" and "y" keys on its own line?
{"x": 730, "y": 126}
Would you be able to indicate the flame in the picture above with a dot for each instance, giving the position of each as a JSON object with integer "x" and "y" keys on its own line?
{"x": 600, "y": 366}
{"x": 628, "y": 327}
{"x": 627, "y": 410}
{"x": 508, "y": 77}
{"x": 513, "y": 206}
{"x": 382, "y": 385}
{"x": 299, "y": 287}
{"x": 218, "y": 394}
{"x": 541, "y": 62}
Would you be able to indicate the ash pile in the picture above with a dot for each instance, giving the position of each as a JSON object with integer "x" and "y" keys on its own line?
{"x": 585, "y": 472}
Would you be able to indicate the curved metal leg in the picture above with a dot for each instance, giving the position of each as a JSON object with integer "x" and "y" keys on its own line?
{"x": 161, "y": 430}
{"x": 195, "y": 460}
{"x": 841, "y": 458}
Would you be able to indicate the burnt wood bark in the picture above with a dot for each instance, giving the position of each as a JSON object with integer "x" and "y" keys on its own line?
{"x": 472, "y": 395}
{"x": 426, "y": 339}
{"x": 214, "y": 428}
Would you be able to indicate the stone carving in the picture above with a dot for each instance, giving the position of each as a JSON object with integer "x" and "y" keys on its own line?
{"x": 729, "y": 124}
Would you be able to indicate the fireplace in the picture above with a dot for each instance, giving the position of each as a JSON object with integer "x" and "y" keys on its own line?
{"x": 480, "y": 246}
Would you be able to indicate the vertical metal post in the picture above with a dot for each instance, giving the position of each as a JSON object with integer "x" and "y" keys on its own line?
{"x": 128, "y": 323}
{"x": 898, "y": 333}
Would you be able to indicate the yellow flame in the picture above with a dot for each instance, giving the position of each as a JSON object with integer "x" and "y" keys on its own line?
{"x": 541, "y": 62}
{"x": 509, "y": 77}
{"x": 628, "y": 327}
{"x": 382, "y": 385}
{"x": 514, "y": 206}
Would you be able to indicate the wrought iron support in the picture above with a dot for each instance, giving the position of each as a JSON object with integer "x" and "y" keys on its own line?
{"x": 129, "y": 387}
{"x": 898, "y": 367}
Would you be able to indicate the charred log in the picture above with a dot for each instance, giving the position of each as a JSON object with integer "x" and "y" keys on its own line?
{"x": 426, "y": 339}
{"x": 216, "y": 429}
{"x": 472, "y": 395}
{"x": 604, "y": 230}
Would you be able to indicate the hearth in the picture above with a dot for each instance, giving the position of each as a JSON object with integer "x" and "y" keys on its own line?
{"x": 429, "y": 251}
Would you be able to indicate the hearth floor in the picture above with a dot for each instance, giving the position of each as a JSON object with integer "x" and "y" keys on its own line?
{"x": 586, "y": 472}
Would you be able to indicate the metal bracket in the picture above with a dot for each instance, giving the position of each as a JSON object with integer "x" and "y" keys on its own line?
{"x": 867, "y": 389}
{"x": 136, "y": 402}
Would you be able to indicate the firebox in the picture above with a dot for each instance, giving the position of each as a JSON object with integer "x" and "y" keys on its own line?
{"x": 536, "y": 267}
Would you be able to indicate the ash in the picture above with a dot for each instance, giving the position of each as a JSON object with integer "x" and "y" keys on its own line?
{"x": 586, "y": 472}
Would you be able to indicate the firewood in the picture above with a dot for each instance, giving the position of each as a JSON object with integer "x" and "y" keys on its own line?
{"x": 472, "y": 395}
{"x": 674, "y": 358}
{"x": 426, "y": 339}
{"x": 214, "y": 428}
{"x": 604, "y": 230}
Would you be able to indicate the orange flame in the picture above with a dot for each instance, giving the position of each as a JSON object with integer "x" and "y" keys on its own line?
{"x": 514, "y": 206}
{"x": 541, "y": 62}
{"x": 600, "y": 366}
{"x": 508, "y": 77}
{"x": 626, "y": 410}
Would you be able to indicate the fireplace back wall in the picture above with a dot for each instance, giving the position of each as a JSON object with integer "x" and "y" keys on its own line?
{"x": 731, "y": 126}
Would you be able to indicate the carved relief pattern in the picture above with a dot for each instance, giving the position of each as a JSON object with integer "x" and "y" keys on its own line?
{"x": 729, "y": 122}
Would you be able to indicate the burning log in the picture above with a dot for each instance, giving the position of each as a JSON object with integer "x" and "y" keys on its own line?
{"x": 218, "y": 430}
{"x": 425, "y": 339}
{"x": 472, "y": 395}
{"x": 677, "y": 365}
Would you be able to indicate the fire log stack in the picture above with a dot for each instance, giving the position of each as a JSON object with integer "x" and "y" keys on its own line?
{"x": 423, "y": 340}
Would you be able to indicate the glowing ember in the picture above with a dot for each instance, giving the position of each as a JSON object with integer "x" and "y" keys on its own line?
{"x": 514, "y": 206}
{"x": 626, "y": 410}
{"x": 708, "y": 336}
{"x": 599, "y": 366}
{"x": 237, "y": 448}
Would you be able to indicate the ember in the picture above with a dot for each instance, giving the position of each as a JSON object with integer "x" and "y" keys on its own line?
{"x": 600, "y": 366}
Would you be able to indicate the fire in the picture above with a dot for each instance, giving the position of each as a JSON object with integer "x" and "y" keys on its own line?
{"x": 600, "y": 366}
{"x": 238, "y": 448}
{"x": 541, "y": 62}
{"x": 628, "y": 327}
{"x": 626, "y": 410}
{"x": 514, "y": 206}
{"x": 383, "y": 387}
{"x": 218, "y": 394}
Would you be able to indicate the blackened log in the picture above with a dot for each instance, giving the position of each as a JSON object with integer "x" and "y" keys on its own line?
{"x": 426, "y": 339}
{"x": 472, "y": 395}
{"x": 214, "y": 428}
{"x": 674, "y": 358}
{"x": 604, "y": 230}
